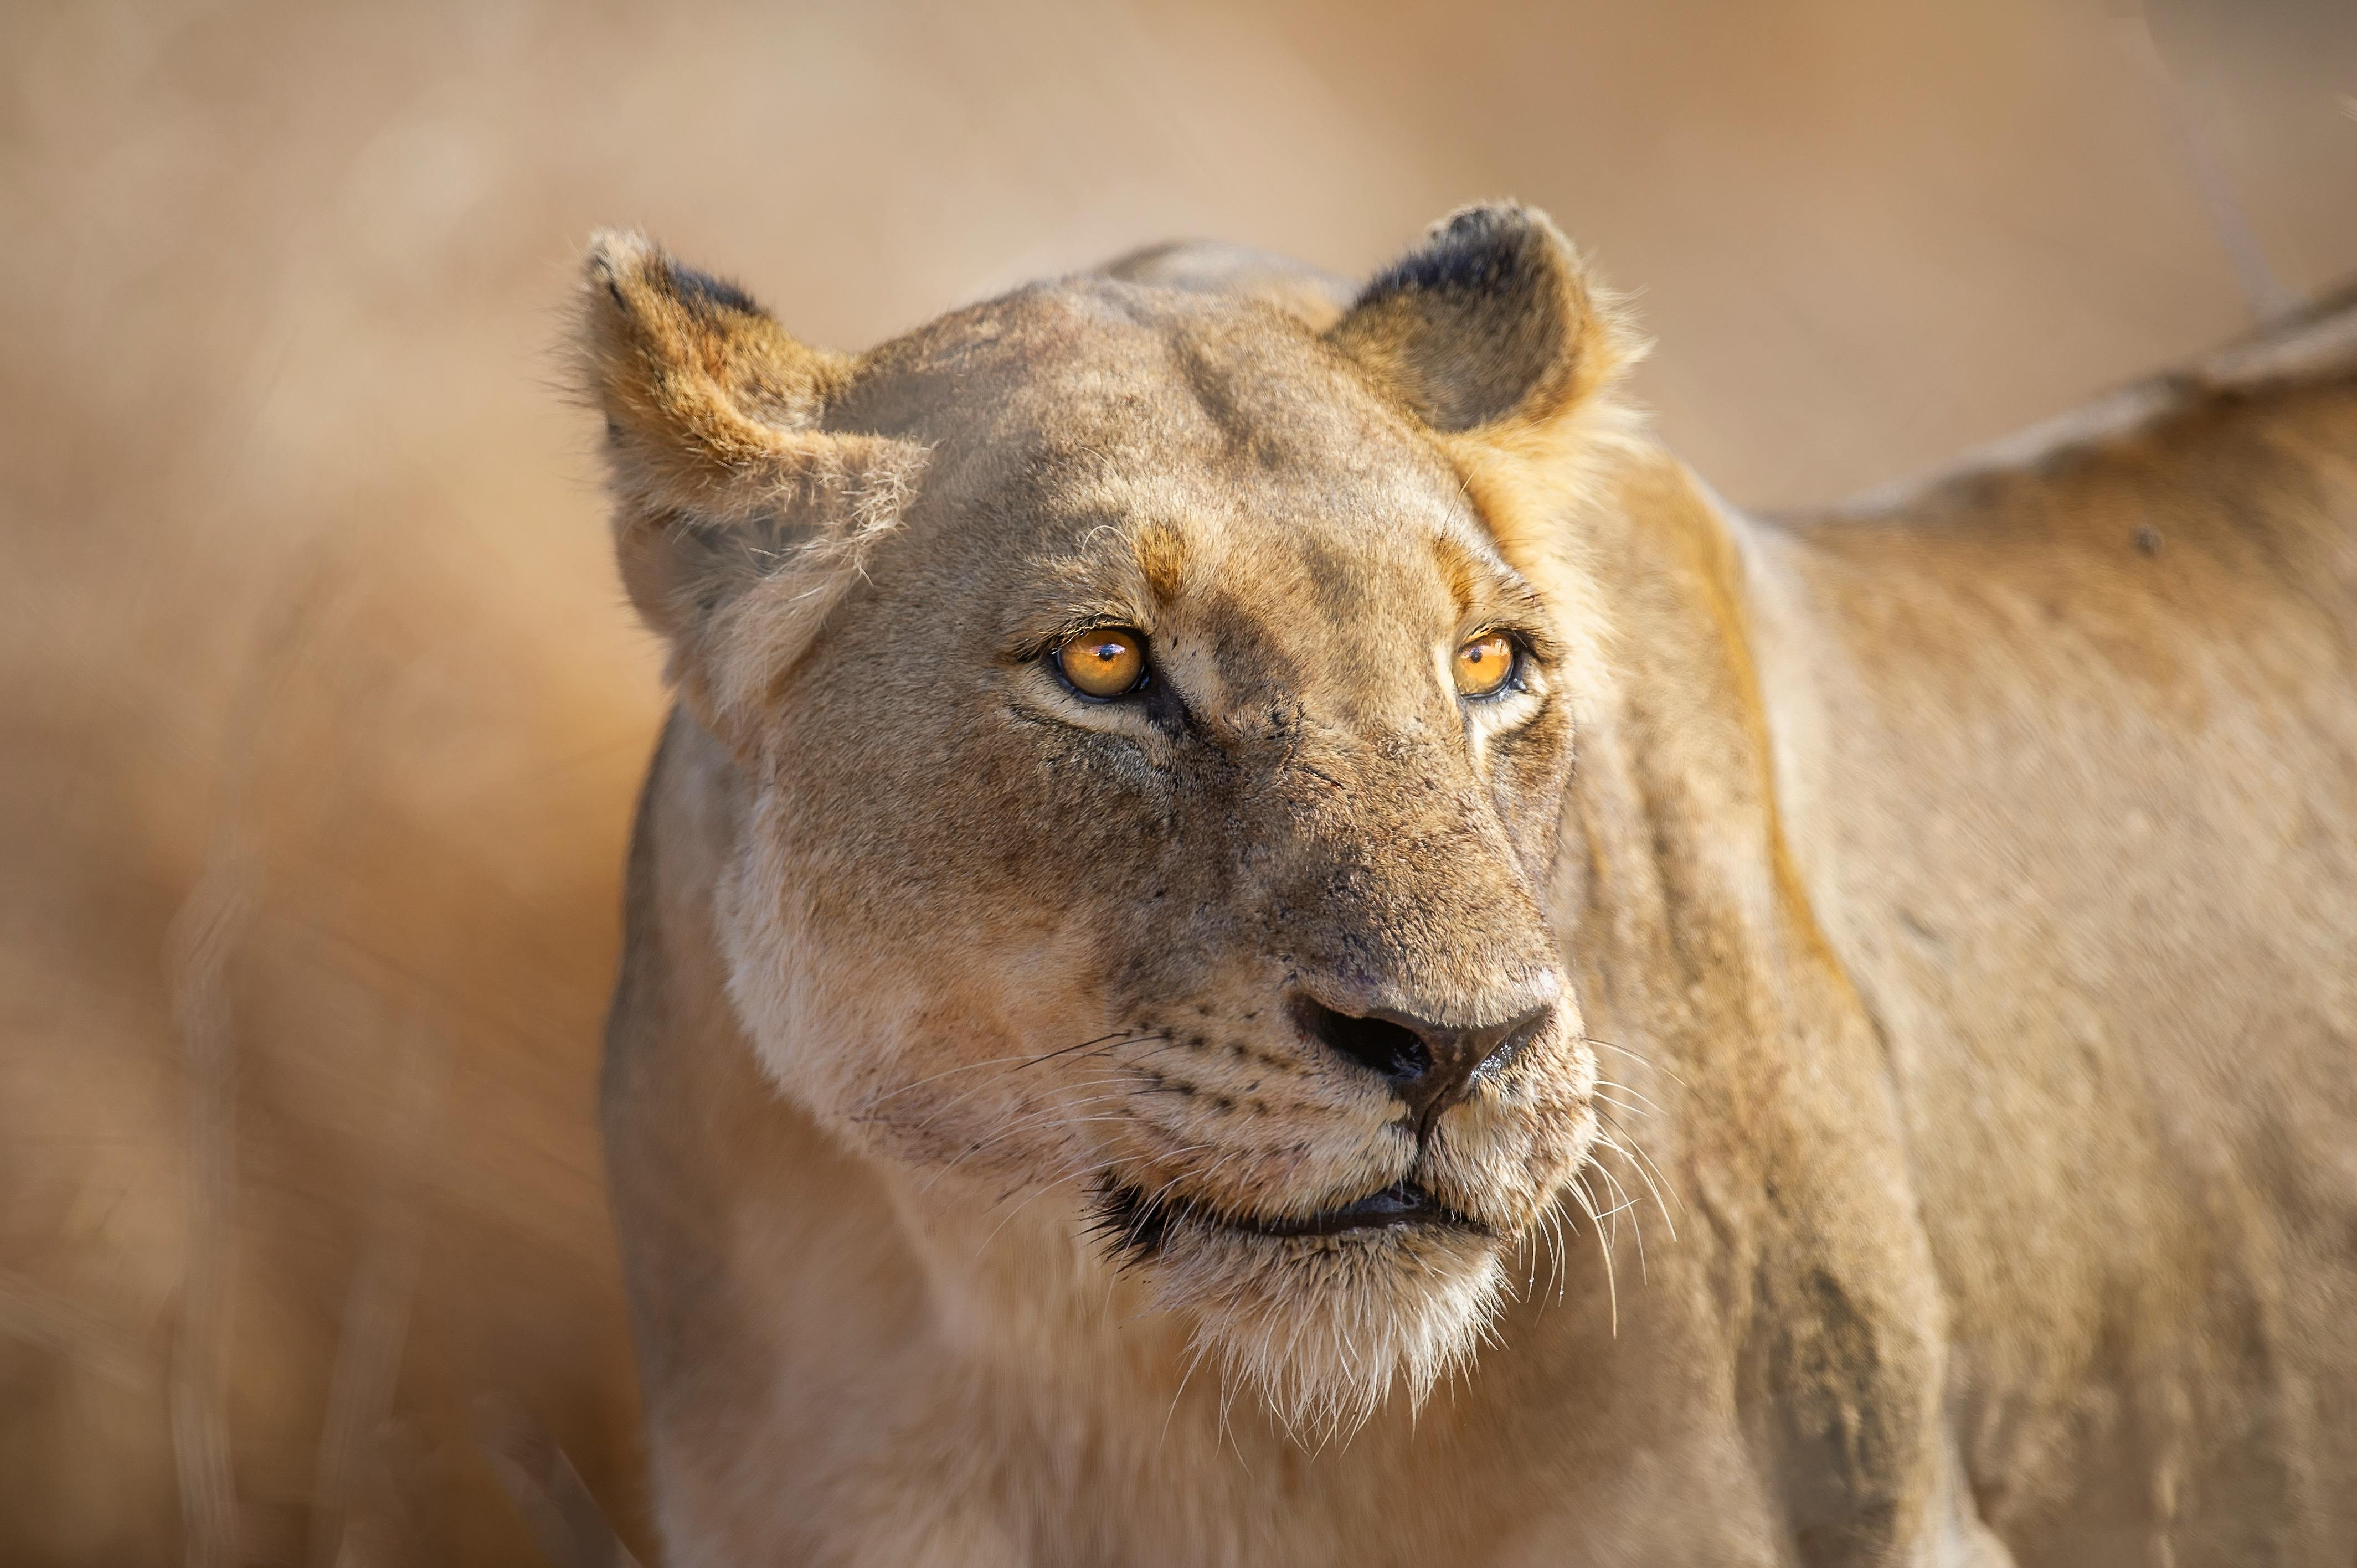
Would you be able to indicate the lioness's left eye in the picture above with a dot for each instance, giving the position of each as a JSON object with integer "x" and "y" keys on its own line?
{"x": 1483, "y": 664}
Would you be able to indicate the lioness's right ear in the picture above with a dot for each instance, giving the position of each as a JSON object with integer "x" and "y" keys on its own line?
{"x": 739, "y": 519}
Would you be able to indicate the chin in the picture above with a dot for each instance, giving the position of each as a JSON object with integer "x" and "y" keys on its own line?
{"x": 1324, "y": 1317}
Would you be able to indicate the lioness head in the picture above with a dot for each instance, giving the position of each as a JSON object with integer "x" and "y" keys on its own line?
{"x": 1156, "y": 711}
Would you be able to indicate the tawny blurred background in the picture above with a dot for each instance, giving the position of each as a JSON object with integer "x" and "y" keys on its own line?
{"x": 319, "y": 709}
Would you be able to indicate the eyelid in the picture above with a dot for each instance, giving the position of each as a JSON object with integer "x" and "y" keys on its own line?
{"x": 1529, "y": 638}
{"x": 1025, "y": 650}
{"x": 1535, "y": 650}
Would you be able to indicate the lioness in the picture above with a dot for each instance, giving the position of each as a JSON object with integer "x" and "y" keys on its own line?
{"x": 1263, "y": 935}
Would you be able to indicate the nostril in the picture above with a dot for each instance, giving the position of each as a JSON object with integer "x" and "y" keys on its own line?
{"x": 1431, "y": 1066}
{"x": 1499, "y": 1047}
{"x": 1392, "y": 1049}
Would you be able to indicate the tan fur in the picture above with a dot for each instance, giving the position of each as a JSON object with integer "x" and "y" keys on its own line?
{"x": 1935, "y": 1148}
{"x": 708, "y": 407}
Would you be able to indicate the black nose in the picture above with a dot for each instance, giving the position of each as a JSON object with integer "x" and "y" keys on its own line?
{"x": 1430, "y": 1066}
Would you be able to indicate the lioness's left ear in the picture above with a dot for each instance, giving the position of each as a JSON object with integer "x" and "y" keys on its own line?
{"x": 740, "y": 517}
{"x": 1491, "y": 335}
{"x": 1491, "y": 324}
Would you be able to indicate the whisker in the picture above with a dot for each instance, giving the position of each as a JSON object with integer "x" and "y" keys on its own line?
{"x": 1640, "y": 1162}
{"x": 1169, "y": 1043}
{"x": 1148, "y": 1207}
{"x": 1039, "y": 1115}
{"x": 999, "y": 1138}
{"x": 1117, "y": 1036}
{"x": 1101, "y": 1042}
{"x": 1632, "y": 1093}
{"x": 1611, "y": 1289}
{"x": 869, "y": 1106}
{"x": 1636, "y": 1229}
{"x": 1085, "y": 1169}
{"x": 1228, "y": 1390}
{"x": 1638, "y": 1057}
{"x": 1185, "y": 1378}
{"x": 899, "y": 1090}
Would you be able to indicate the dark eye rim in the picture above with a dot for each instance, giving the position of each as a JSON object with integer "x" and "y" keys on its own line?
{"x": 1518, "y": 654}
{"x": 1050, "y": 657}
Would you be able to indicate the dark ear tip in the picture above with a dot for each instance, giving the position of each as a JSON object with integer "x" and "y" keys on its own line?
{"x": 1485, "y": 221}
{"x": 1505, "y": 227}
{"x": 620, "y": 263}
{"x": 1482, "y": 321}
{"x": 704, "y": 291}
{"x": 1482, "y": 248}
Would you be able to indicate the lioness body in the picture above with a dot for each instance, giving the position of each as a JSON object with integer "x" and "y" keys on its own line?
{"x": 1962, "y": 896}
{"x": 2067, "y": 753}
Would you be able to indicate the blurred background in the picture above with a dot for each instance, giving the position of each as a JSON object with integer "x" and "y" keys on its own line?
{"x": 320, "y": 710}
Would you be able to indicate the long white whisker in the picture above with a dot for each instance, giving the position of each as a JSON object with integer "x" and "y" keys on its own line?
{"x": 1185, "y": 1378}
{"x": 931, "y": 1181}
{"x": 1646, "y": 1170}
{"x": 1640, "y": 1058}
{"x": 1635, "y": 1093}
{"x": 1040, "y": 1116}
{"x": 1086, "y": 1167}
{"x": 1626, "y": 1202}
{"x": 1116, "y": 1037}
{"x": 939, "y": 1112}
{"x": 1611, "y": 1289}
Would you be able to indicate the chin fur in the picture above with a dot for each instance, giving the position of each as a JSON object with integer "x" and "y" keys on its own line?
{"x": 1323, "y": 1328}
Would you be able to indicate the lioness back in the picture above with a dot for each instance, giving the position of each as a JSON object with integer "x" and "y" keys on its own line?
{"x": 2069, "y": 750}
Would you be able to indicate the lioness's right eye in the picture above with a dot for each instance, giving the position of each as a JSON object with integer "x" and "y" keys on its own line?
{"x": 1102, "y": 662}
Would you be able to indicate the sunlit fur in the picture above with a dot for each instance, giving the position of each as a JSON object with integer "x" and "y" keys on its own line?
{"x": 1875, "y": 878}
{"x": 745, "y": 523}
{"x": 1323, "y": 1328}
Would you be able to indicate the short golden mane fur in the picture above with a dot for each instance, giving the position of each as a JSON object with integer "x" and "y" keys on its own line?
{"x": 1842, "y": 1057}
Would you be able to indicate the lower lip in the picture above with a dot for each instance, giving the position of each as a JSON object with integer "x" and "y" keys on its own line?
{"x": 1395, "y": 1208}
{"x": 1388, "y": 1209}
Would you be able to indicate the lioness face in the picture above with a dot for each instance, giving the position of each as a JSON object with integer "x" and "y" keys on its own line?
{"x": 1152, "y": 827}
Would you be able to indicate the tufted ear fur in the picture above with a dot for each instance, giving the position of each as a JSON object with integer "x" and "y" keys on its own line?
{"x": 739, "y": 520}
{"x": 1493, "y": 336}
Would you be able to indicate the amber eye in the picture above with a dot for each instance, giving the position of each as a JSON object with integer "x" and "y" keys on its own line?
{"x": 1484, "y": 664}
{"x": 1103, "y": 661}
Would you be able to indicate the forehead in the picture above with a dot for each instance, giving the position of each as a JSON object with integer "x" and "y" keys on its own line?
{"x": 1184, "y": 447}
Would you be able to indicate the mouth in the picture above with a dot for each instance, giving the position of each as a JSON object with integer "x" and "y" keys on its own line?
{"x": 1140, "y": 1224}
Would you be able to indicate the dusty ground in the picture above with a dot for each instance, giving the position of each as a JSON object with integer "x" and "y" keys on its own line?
{"x": 320, "y": 713}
